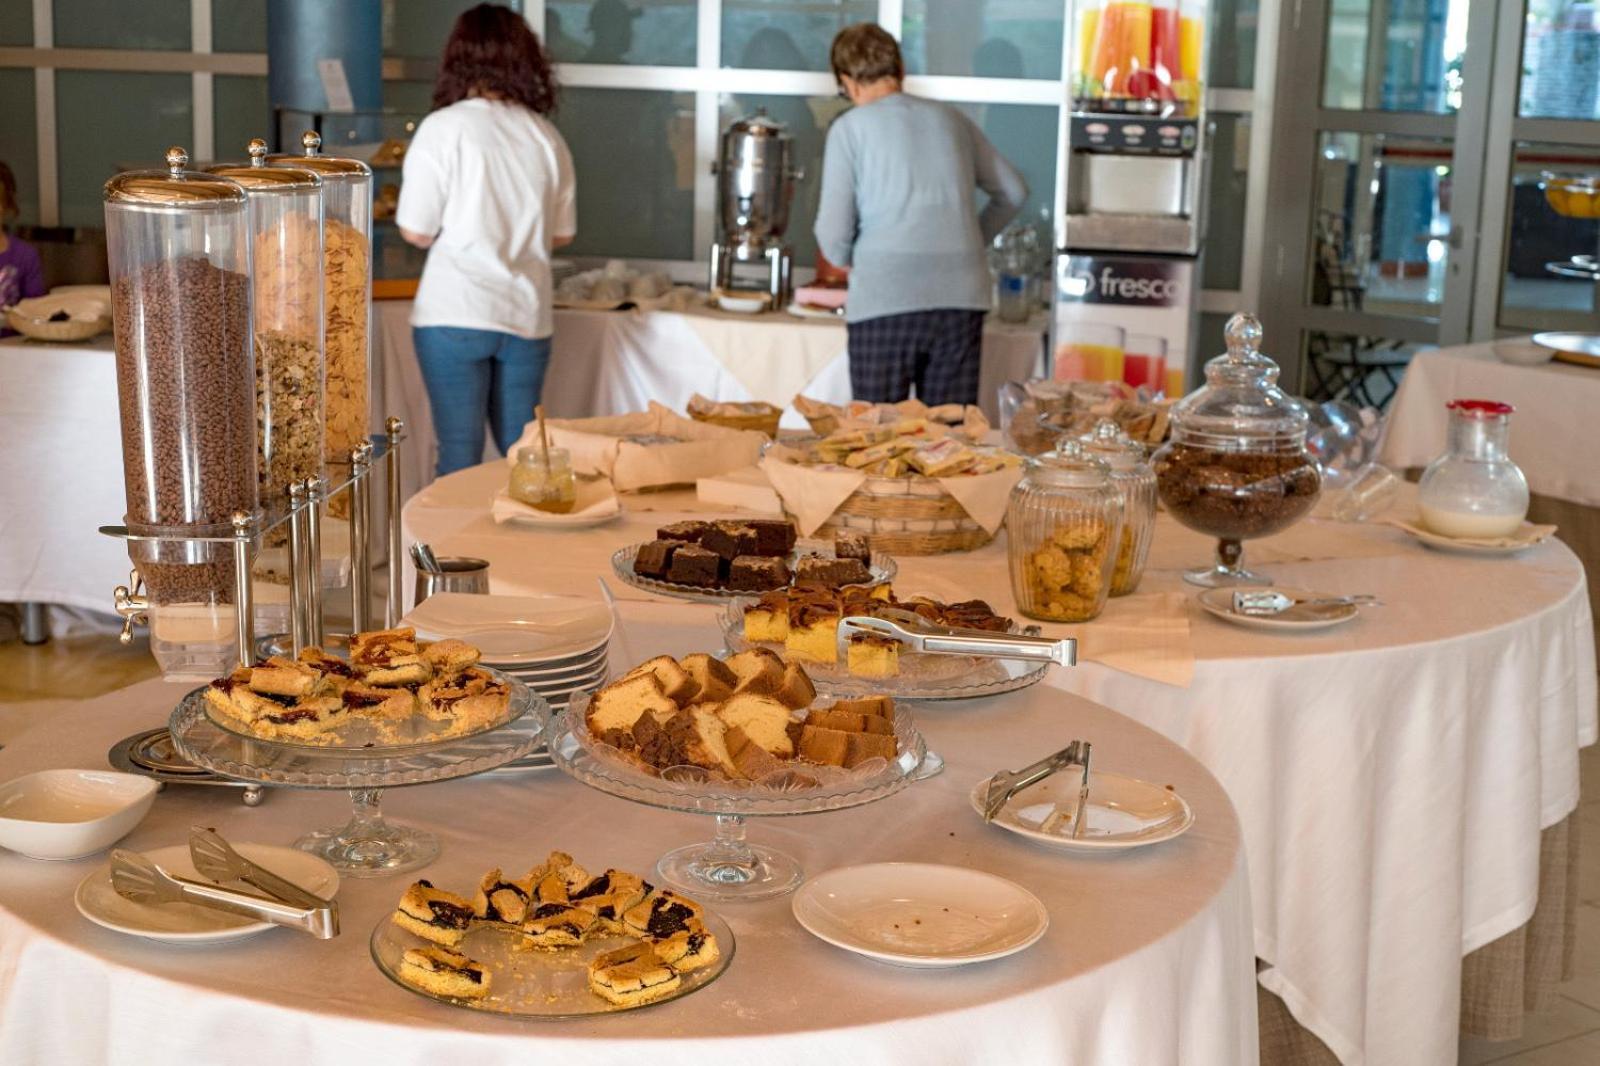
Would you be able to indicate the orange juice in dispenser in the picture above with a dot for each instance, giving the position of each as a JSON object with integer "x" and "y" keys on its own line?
{"x": 1191, "y": 42}
{"x": 1121, "y": 47}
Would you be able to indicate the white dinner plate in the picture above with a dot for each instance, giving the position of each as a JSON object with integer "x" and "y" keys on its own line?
{"x": 800, "y": 310}
{"x": 1300, "y": 617}
{"x": 1439, "y": 542}
{"x": 515, "y": 630}
{"x": 586, "y": 667}
{"x": 1124, "y": 812}
{"x": 186, "y": 923}
{"x": 919, "y": 914}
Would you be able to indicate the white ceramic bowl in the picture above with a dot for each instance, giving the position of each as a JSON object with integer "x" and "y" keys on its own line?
{"x": 67, "y": 814}
{"x": 1523, "y": 353}
{"x": 744, "y": 305}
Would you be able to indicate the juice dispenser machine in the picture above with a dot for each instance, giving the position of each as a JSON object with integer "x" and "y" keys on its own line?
{"x": 1128, "y": 216}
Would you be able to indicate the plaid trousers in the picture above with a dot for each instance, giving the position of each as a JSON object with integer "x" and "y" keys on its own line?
{"x": 938, "y": 351}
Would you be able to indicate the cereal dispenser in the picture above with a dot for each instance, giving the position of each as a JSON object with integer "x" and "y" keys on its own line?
{"x": 178, "y": 244}
{"x": 347, "y": 296}
{"x": 285, "y": 217}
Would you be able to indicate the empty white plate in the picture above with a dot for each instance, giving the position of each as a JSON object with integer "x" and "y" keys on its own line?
{"x": 1219, "y": 602}
{"x": 515, "y": 629}
{"x": 186, "y": 923}
{"x": 582, "y": 664}
{"x": 919, "y": 914}
{"x": 1124, "y": 812}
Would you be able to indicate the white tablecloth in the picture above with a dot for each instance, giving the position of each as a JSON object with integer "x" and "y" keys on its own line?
{"x": 1147, "y": 959}
{"x": 612, "y": 362}
{"x": 1555, "y": 402}
{"x": 1392, "y": 775}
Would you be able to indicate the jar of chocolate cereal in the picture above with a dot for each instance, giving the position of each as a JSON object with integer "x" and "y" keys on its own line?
{"x": 1063, "y": 525}
{"x": 1135, "y": 482}
{"x": 1236, "y": 465}
{"x": 178, "y": 245}
{"x": 285, "y": 209}
{"x": 346, "y": 301}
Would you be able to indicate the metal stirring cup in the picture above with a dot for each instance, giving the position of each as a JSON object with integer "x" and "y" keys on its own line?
{"x": 456, "y": 573}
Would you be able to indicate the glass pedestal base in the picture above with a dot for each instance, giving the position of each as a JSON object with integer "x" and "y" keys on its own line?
{"x": 728, "y": 868}
{"x": 1227, "y": 571}
{"x": 368, "y": 846}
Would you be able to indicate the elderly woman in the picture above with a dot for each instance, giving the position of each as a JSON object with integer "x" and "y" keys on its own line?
{"x": 899, "y": 208}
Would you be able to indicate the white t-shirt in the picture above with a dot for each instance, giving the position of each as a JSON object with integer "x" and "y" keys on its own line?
{"x": 493, "y": 183}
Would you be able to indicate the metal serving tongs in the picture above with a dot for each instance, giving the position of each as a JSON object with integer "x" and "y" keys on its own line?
{"x": 215, "y": 858}
{"x": 135, "y": 877}
{"x": 924, "y": 636}
{"x": 1007, "y": 783}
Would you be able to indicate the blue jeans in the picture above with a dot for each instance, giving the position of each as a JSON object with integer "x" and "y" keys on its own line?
{"x": 473, "y": 372}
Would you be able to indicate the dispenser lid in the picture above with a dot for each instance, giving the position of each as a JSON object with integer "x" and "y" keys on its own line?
{"x": 1111, "y": 444}
{"x": 173, "y": 187}
{"x": 256, "y": 176}
{"x": 759, "y": 124}
{"x": 328, "y": 166}
{"x": 1070, "y": 466}
{"x": 1240, "y": 402}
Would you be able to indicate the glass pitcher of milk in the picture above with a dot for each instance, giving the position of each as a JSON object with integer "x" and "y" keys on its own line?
{"x": 1474, "y": 489}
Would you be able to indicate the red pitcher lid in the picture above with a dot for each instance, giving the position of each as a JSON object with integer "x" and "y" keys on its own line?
{"x": 1480, "y": 408}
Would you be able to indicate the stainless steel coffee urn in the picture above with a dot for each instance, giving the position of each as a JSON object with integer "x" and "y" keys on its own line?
{"x": 755, "y": 184}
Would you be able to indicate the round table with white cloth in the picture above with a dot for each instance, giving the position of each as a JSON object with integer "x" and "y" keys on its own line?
{"x": 1392, "y": 775}
{"x": 1147, "y": 958}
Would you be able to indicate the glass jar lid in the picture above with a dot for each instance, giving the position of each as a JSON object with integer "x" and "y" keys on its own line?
{"x": 328, "y": 166}
{"x": 1111, "y": 444}
{"x": 173, "y": 187}
{"x": 1069, "y": 466}
{"x": 1240, "y": 405}
{"x": 256, "y": 176}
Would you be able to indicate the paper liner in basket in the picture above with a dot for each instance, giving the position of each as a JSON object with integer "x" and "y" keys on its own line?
{"x": 813, "y": 493}
{"x": 603, "y": 446}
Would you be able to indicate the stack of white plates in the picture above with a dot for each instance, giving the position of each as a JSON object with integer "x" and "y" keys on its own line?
{"x": 556, "y": 645}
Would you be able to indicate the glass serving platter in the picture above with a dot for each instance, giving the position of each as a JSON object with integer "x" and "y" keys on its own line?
{"x": 882, "y": 567}
{"x": 921, "y": 677}
{"x": 548, "y": 985}
{"x": 727, "y": 867}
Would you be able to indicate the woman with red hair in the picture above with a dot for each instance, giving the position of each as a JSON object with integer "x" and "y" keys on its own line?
{"x": 489, "y": 190}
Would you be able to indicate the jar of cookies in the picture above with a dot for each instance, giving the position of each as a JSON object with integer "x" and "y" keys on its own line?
{"x": 1237, "y": 466}
{"x": 285, "y": 208}
{"x": 1064, "y": 522}
{"x": 1135, "y": 482}
{"x": 346, "y": 301}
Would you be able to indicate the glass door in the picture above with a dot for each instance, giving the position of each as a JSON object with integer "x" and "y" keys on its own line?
{"x": 1375, "y": 190}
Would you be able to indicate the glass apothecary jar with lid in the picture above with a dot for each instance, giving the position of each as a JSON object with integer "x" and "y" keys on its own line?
{"x": 178, "y": 247}
{"x": 1135, "y": 482}
{"x": 1236, "y": 466}
{"x": 1063, "y": 525}
{"x": 1474, "y": 490}
{"x": 285, "y": 212}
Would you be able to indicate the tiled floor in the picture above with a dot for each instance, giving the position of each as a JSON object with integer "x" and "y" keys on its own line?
{"x": 32, "y": 680}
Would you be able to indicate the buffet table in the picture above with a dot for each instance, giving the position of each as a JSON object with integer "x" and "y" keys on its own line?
{"x": 1392, "y": 776}
{"x": 1147, "y": 958}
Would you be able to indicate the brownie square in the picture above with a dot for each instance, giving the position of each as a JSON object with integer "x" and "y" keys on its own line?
{"x": 757, "y": 573}
{"x": 773, "y": 536}
{"x": 653, "y": 558}
{"x": 688, "y": 532}
{"x": 693, "y": 565}
{"x": 830, "y": 573}
{"x": 849, "y": 544}
{"x": 730, "y": 540}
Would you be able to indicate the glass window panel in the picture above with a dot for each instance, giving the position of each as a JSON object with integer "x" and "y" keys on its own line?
{"x": 634, "y": 155}
{"x": 238, "y": 25}
{"x": 786, "y": 34}
{"x": 19, "y": 138}
{"x": 121, "y": 24}
{"x": 807, "y": 120}
{"x": 1561, "y": 60}
{"x": 1381, "y": 223}
{"x": 661, "y": 33}
{"x": 106, "y": 121}
{"x": 1549, "y": 226}
{"x": 984, "y": 38}
{"x": 1225, "y": 202}
{"x": 1395, "y": 55}
{"x": 1361, "y": 370}
{"x": 1233, "y": 44}
{"x": 417, "y": 29}
{"x": 1026, "y": 135}
{"x": 16, "y": 25}
{"x": 240, "y": 111}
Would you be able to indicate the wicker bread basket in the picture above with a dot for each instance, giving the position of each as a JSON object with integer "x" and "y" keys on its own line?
{"x": 907, "y": 516}
{"x": 70, "y": 330}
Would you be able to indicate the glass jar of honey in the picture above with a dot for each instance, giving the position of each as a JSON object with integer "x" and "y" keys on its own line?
{"x": 544, "y": 480}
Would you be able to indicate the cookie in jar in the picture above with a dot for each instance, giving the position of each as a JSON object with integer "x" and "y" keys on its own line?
{"x": 1064, "y": 520}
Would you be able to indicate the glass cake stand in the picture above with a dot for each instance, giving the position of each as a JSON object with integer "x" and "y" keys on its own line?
{"x": 367, "y": 845}
{"x": 728, "y": 867}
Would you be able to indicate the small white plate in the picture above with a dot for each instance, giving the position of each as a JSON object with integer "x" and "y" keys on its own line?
{"x": 741, "y": 304}
{"x": 1440, "y": 542}
{"x": 1219, "y": 602}
{"x": 1124, "y": 812}
{"x": 596, "y": 503}
{"x": 515, "y": 630}
{"x": 919, "y": 914}
{"x": 535, "y": 675}
{"x": 186, "y": 923}
{"x": 800, "y": 310}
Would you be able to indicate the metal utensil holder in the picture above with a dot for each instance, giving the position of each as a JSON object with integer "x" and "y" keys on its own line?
{"x": 304, "y": 517}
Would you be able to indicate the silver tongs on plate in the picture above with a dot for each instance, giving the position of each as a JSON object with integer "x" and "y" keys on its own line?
{"x": 215, "y": 858}
{"x": 1007, "y": 783}
{"x": 924, "y": 636}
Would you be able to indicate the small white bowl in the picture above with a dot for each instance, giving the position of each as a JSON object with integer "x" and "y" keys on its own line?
{"x": 1523, "y": 353}
{"x": 67, "y": 814}
{"x": 743, "y": 305}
